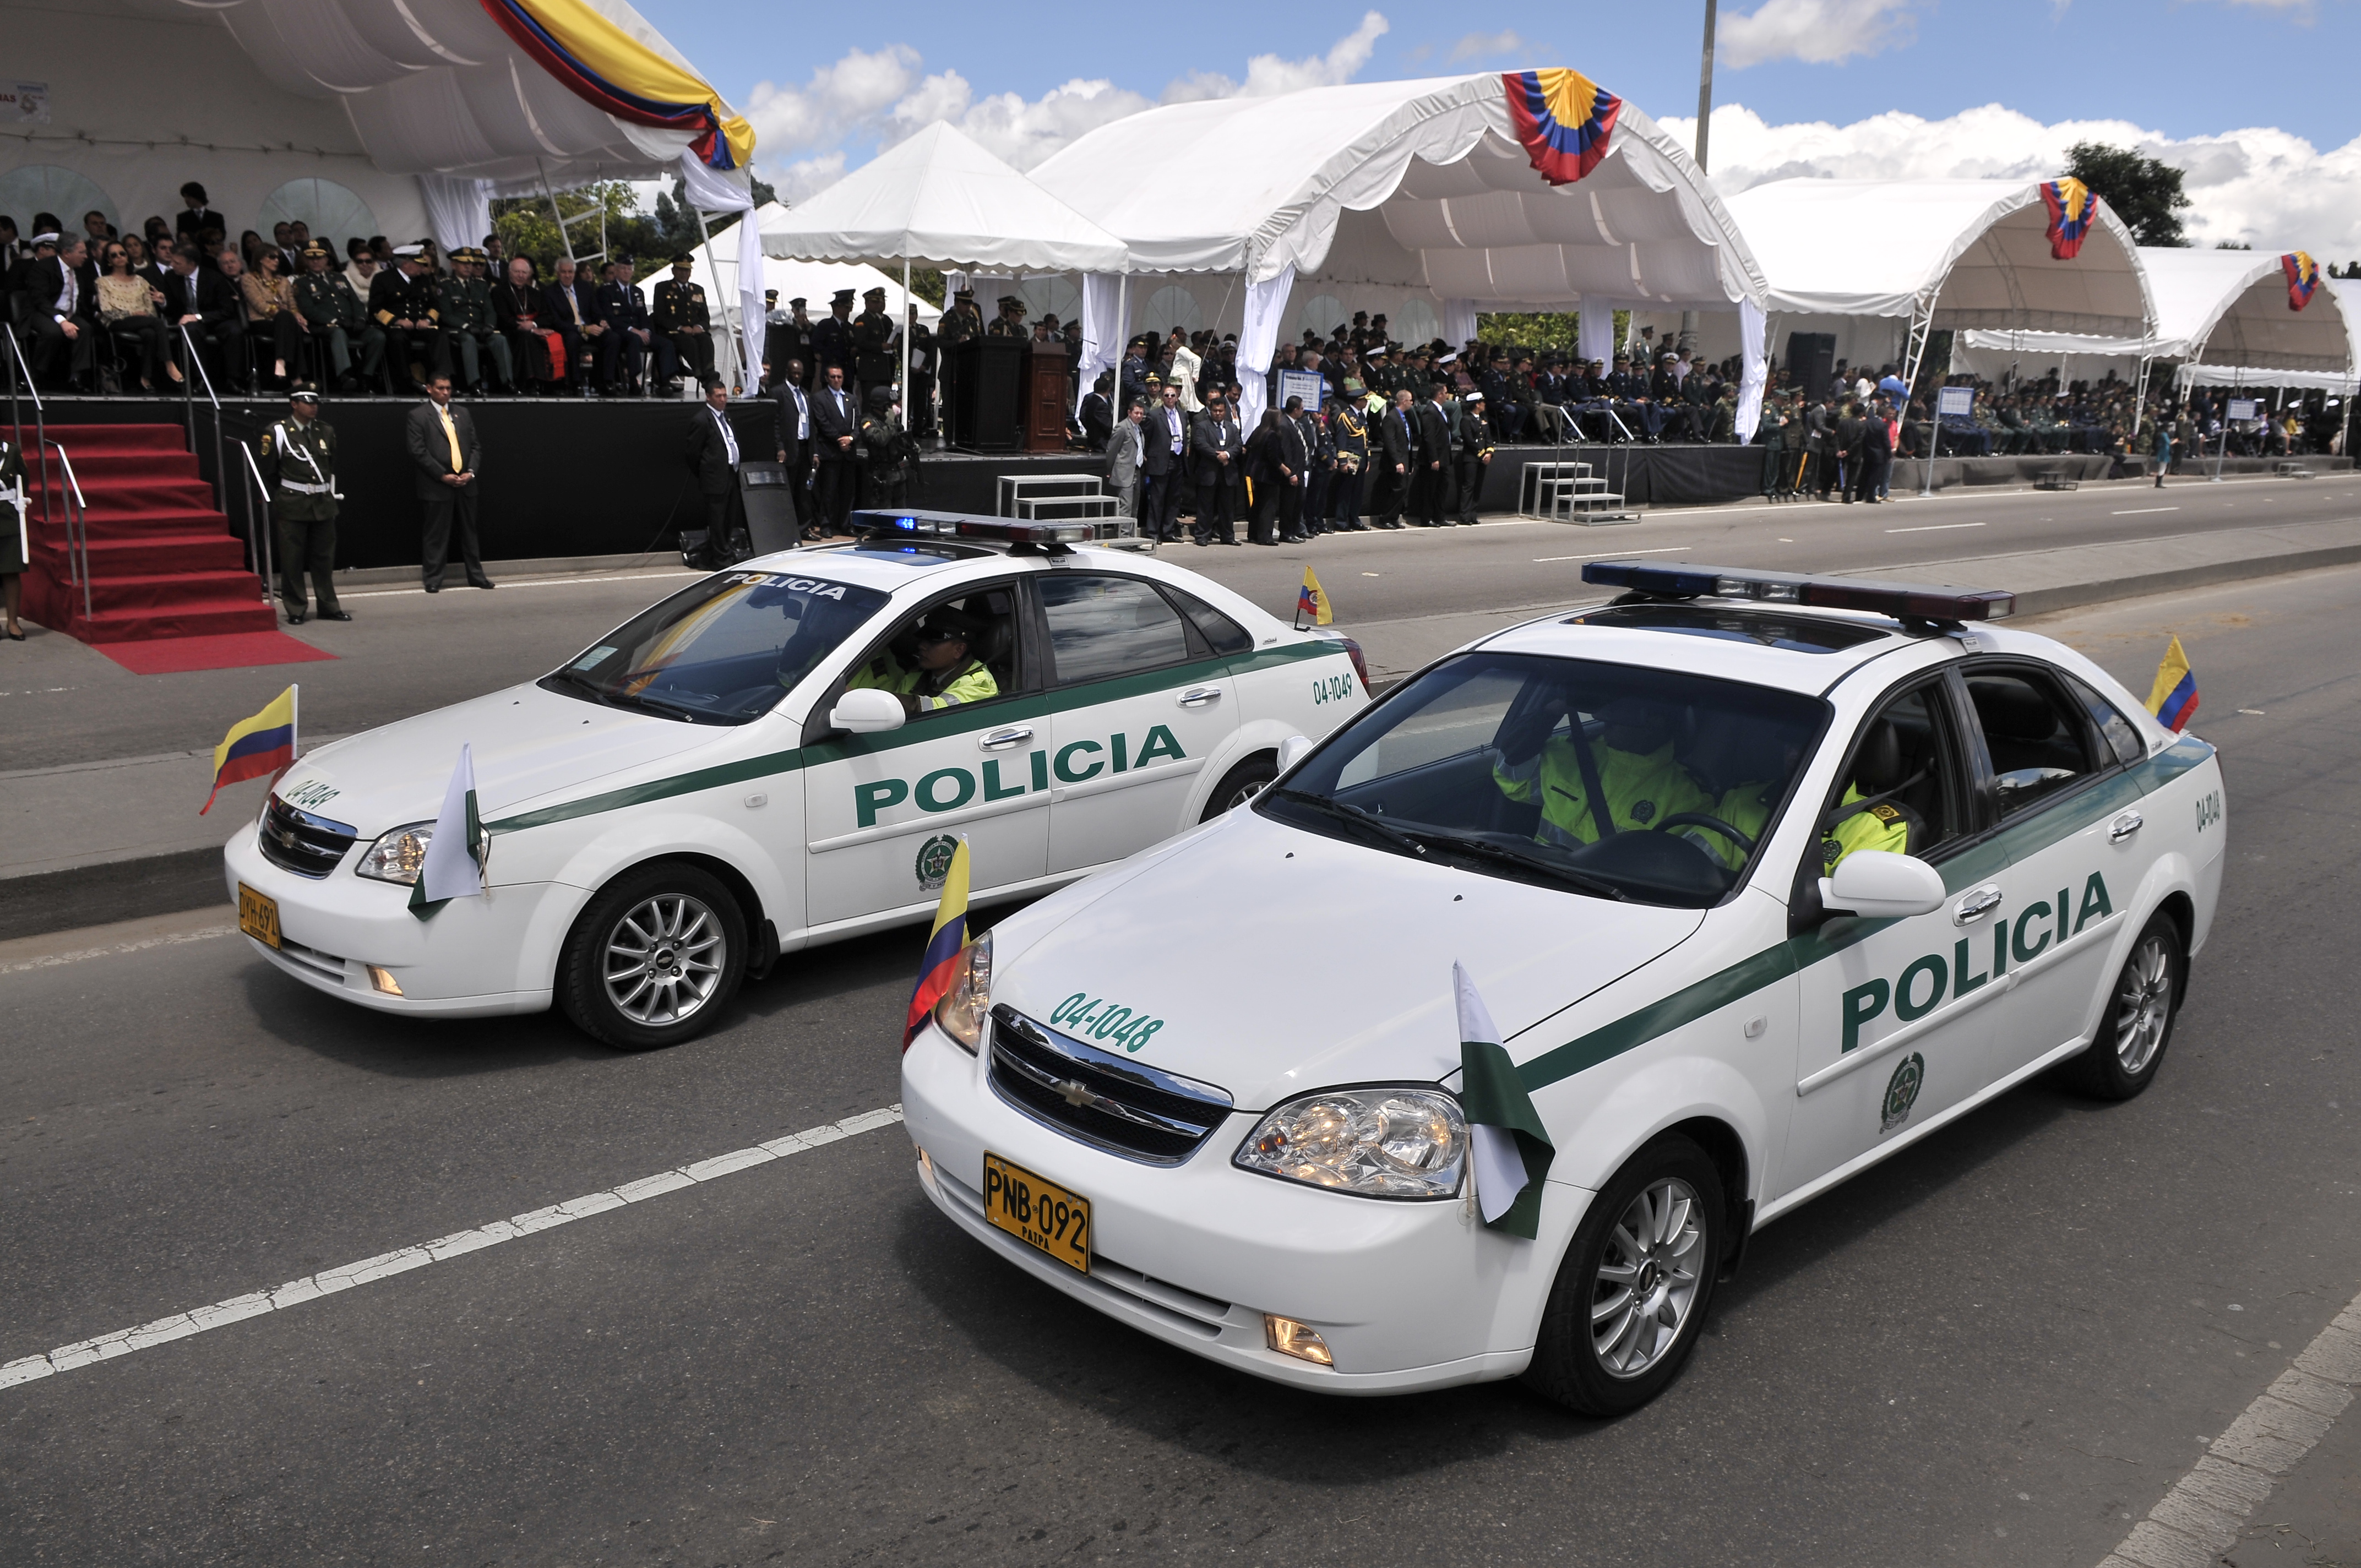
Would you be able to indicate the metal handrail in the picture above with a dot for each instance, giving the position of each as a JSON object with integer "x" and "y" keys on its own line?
{"x": 259, "y": 531}
{"x": 77, "y": 523}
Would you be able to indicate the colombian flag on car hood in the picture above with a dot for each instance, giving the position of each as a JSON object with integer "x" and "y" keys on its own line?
{"x": 256, "y": 747}
{"x": 935, "y": 971}
{"x": 1563, "y": 119}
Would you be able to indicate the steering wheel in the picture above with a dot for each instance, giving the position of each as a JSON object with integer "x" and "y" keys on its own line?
{"x": 1710, "y": 823}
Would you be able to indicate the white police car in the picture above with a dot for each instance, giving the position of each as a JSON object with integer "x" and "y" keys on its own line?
{"x": 699, "y": 792}
{"x": 1262, "y": 1156}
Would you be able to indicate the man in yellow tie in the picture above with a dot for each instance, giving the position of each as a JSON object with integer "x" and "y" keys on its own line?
{"x": 445, "y": 455}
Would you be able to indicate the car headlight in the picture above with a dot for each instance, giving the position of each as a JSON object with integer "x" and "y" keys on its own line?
{"x": 1386, "y": 1141}
{"x": 967, "y": 1002}
{"x": 398, "y": 856}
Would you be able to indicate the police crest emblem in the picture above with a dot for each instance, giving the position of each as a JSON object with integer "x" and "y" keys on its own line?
{"x": 1902, "y": 1091}
{"x": 935, "y": 862}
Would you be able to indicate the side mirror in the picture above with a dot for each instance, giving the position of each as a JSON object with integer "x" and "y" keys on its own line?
{"x": 865, "y": 710}
{"x": 1877, "y": 884}
{"x": 1291, "y": 750}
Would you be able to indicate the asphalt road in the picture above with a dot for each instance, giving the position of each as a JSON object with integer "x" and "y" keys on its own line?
{"x": 2002, "y": 1348}
{"x": 405, "y": 653}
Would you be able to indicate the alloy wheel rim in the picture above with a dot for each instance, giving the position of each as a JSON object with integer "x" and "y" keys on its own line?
{"x": 1647, "y": 1282}
{"x": 2143, "y": 1005}
{"x": 1245, "y": 792}
{"x": 663, "y": 960}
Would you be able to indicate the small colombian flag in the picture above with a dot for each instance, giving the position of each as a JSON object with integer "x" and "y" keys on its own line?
{"x": 943, "y": 948}
{"x": 257, "y": 747}
{"x": 1312, "y": 600}
{"x": 2173, "y": 698}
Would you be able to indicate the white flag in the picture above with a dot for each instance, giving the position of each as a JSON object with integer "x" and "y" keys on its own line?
{"x": 1500, "y": 1165}
{"x": 451, "y": 871}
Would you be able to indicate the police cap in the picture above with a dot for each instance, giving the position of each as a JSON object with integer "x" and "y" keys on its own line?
{"x": 302, "y": 396}
{"x": 949, "y": 622}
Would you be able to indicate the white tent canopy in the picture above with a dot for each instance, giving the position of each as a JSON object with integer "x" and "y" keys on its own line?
{"x": 1370, "y": 189}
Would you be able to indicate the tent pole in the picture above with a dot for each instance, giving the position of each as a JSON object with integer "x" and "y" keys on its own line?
{"x": 909, "y": 315}
{"x": 563, "y": 237}
{"x": 713, "y": 271}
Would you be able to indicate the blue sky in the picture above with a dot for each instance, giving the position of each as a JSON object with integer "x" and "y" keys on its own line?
{"x": 827, "y": 85}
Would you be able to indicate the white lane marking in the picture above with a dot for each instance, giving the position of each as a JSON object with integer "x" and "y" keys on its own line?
{"x": 585, "y": 579}
{"x": 1935, "y": 527}
{"x": 171, "y": 938}
{"x": 296, "y": 1292}
{"x": 2206, "y": 1511}
{"x": 1613, "y": 554}
{"x": 2142, "y": 511}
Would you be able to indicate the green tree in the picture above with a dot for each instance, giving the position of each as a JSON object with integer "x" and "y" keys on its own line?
{"x": 526, "y": 228}
{"x": 2145, "y": 192}
{"x": 2232, "y": 245}
{"x": 1554, "y": 330}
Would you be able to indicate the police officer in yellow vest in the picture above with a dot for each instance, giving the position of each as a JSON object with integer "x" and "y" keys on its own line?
{"x": 299, "y": 464}
{"x": 1642, "y": 781}
{"x": 1871, "y": 816}
{"x": 944, "y": 677}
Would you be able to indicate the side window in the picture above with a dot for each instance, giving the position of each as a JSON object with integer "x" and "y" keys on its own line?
{"x": 2036, "y": 739}
{"x": 1902, "y": 787}
{"x": 2122, "y": 736}
{"x": 1222, "y": 634}
{"x": 1103, "y": 627}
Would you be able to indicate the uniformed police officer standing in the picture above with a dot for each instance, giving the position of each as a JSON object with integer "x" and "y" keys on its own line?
{"x": 831, "y": 341}
{"x": 331, "y": 309}
{"x": 873, "y": 345}
{"x": 682, "y": 316}
{"x": 15, "y": 549}
{"x": 1011, "y": 320}
{"x": 961, "y": 322}
{"x": 299, "y": 462}
{"x": 401, "y": 303}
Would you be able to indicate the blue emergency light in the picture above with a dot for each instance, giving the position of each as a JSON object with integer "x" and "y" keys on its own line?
{"x": 971, "y": 525}
{"x": 1903, "y": 601}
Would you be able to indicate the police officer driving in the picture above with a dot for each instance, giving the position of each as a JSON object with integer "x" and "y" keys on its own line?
{"x": 944, "y": 674}
{"x": 1632, "y": 768}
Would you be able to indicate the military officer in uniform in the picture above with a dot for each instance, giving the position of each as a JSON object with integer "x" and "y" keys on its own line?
{"x": 402, "y": 303}
{"x": 1011, "y": 321}
{"x": 630, "y": 338}
{"x": 1471, "y": 454}
{"x": 961, "y": 322}
{"x": 873, "y": 345}
{"x": 790, "y": 344}
{"x": 332, "y": 310}
{"x": 470, "y": 327}
{"x": 299, "y": 462}
{"x": 682, "y": 316}
{"x": 831, "y": 341}
{"x": 885, "y": 449}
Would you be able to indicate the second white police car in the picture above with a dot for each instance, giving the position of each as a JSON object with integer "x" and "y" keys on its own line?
{"x": 1761, "y": 878}
{"x": 783, "y": 754}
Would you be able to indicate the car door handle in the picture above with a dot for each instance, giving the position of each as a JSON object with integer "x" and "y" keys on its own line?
{"x": 1974, "y": 905}
{"x": 2124, "y": 827}
{"x": 1001, "y": 740}
{"x": 1198, "y": 696}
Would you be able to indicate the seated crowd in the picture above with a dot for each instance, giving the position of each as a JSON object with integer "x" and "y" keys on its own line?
{"x": 92, "y": 310}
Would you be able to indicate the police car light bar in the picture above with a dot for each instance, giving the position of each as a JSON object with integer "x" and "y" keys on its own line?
{"x": 1903, "y": 601}
{"x": 967, "y": 525}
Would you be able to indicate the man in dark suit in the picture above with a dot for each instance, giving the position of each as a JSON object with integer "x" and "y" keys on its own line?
{"x": 206, "y": 303}
{"x": 835, "y": 421}
{"x": 1876, "y": 459}
{"x": 1293, "y": 451}
{"x": 63, "y": 312}
{"x": 1431, "y": 492}
{"x": 796, "y": 435}
{"x": 1216, "y": 462}
{"x": 193, "y": 223}
{"x": 1167, "y": 465}
{"x": 1395, "y": 441}
{"x": 445, "y": 460}
{"x": 712, "y": 456}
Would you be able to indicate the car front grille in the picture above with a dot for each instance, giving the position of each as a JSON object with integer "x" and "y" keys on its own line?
{"x": 300, "y": 842}
{"x": 1108, "y": 1101}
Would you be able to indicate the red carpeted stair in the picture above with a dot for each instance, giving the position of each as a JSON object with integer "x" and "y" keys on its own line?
{"x": 163, "y": 561}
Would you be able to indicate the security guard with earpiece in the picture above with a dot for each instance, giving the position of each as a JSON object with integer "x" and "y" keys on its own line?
{"x": 299, "y": 464}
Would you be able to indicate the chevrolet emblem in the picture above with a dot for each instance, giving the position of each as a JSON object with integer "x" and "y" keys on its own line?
{"x": 1077, "y": 1095}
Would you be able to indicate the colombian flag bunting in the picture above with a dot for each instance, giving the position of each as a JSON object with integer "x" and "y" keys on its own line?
{"x": 256, "y": 747}
{"x": 2072, "y": 207}
{"x": 1312, "y": 600}
{"x": 579, "y": 44}
{"x": 1563, "y": 119}
{"x": 2302, "y": 275}
{"x": 942, "y": 948}
{"x": 2173, "y": 698}
{"x": 1510, "y": 1150}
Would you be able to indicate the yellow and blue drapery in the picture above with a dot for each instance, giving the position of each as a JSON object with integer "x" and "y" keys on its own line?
{"x": 611, "y": 70}
{"x": 2302, "y": 278}
{"x": 2073, "y": 207}
{"x": 1564, "y": 120}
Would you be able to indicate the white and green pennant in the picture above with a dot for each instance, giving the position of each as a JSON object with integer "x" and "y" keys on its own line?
{"x": 455, "y": 861}
{"x": 1510, "y": 1151}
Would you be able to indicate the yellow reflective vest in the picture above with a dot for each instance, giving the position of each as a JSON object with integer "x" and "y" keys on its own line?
{"x": 1641, "y": 791}
{"x": 969, "y": 681}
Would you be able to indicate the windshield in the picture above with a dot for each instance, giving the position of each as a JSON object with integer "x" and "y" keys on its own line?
{"x": 1609, "y": 780}
{"x": 722, "y": 652}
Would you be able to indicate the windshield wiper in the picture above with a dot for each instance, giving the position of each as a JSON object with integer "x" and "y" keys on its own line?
{"x": 1452, "y": 843}
{"x": 666, "y": 704}
{"x": 1356, "y": 815}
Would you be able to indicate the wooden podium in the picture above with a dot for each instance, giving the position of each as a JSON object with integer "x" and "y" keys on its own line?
{"x": 1049, "y": 393}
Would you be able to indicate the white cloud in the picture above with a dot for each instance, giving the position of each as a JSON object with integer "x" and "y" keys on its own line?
{"x": 839, "y": 99}
{"x": 1023, "y": 133}
{"x": 1267, "y": 74}
{"x": 1478, "y": 46}
{"x": 2264, "y": 186}
{"x": 807, "y": 177}
{"x": 1818, "y": 32}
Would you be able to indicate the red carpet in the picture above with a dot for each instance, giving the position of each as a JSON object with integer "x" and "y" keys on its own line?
{"x": 230, "y": 651}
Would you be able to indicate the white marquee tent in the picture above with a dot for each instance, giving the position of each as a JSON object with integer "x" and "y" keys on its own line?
{"x": 1371, "y": 193}
{"x": 1882, "y": 263}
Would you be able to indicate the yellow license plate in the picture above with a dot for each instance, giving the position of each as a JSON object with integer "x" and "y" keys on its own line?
{"x": 1041, "y": 1214}
{"x": 257, "y": 914}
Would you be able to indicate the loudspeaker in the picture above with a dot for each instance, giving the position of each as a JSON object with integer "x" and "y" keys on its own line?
{"x": 1812, "y": 362}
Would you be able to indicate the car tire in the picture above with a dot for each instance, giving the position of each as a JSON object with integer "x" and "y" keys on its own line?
{"x": 1241, "y": 785}
{"x": 1655, "y": 1234}
{"x": 654, "y": 958}
{"x": 2141, "y": 1011}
